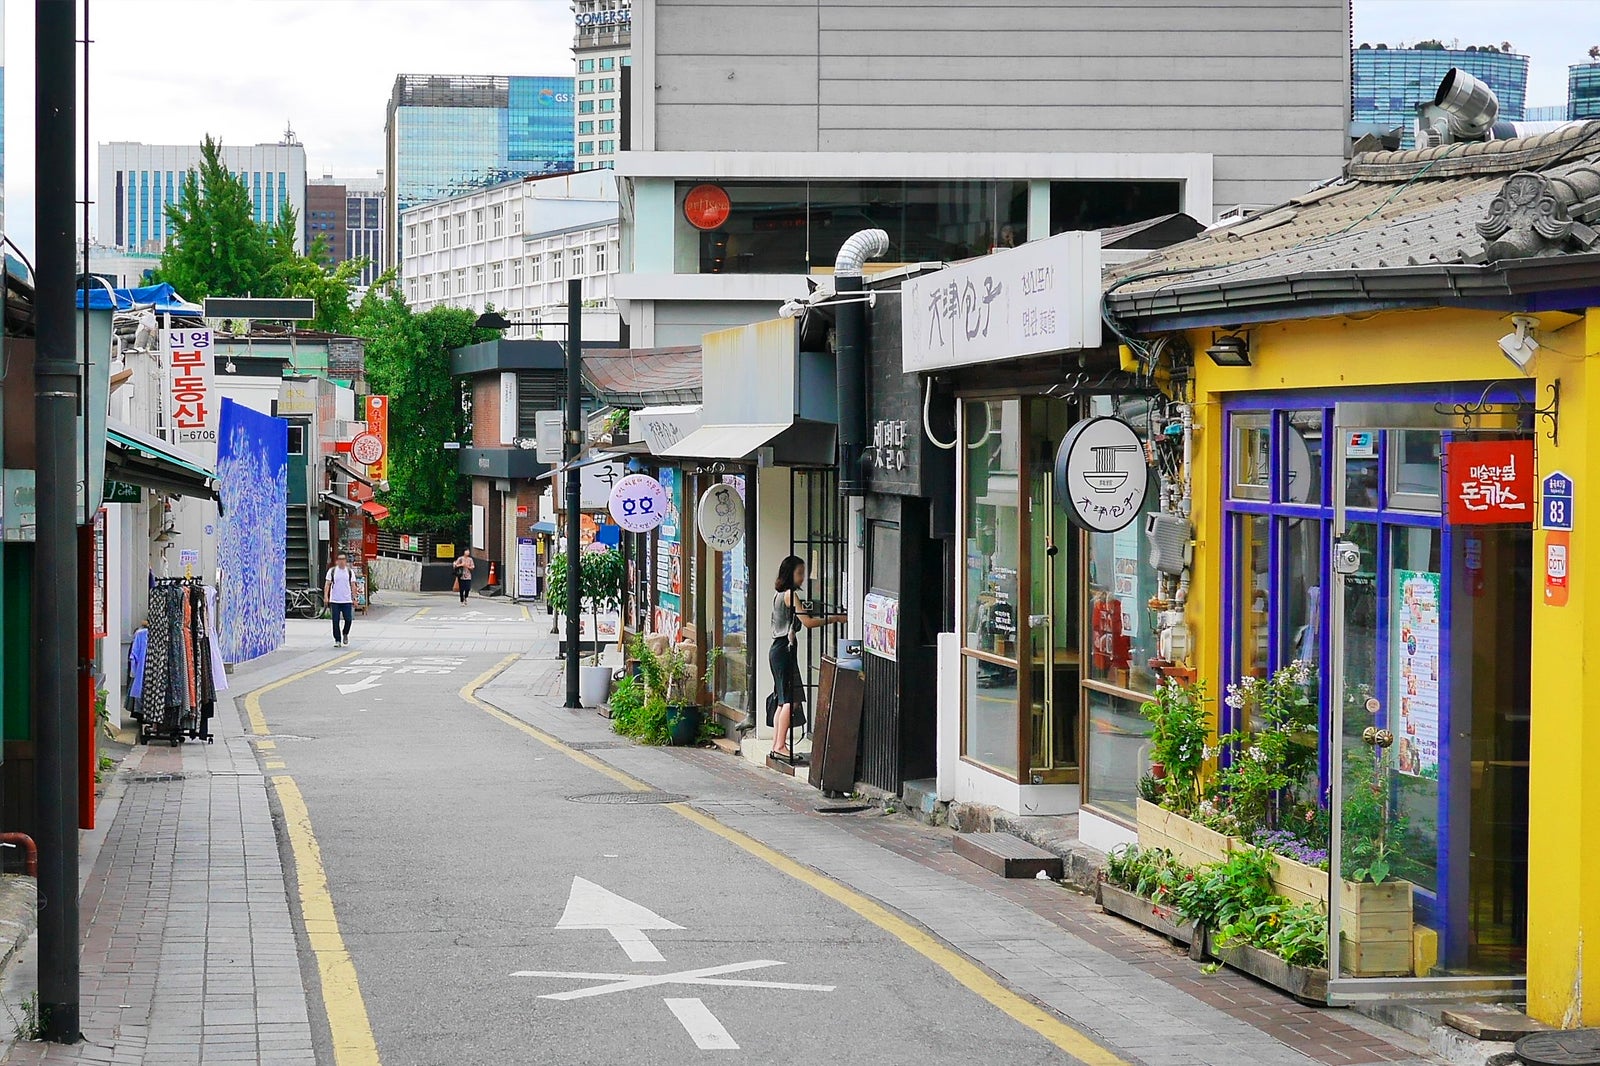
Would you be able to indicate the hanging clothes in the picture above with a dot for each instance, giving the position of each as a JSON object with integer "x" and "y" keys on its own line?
{"x": 136, "y": 657}
{"x": 180, "y": 672}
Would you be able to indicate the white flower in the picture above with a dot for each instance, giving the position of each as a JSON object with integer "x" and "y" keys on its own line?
{"x": 1234, "y": 700}
{"x": 1258, "y": 755}
{"x": 1211, "y": 751}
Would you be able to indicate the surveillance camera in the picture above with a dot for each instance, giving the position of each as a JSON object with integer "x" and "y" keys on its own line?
{"x": 792, "y": 309}
{"x": 1519, "y": 346}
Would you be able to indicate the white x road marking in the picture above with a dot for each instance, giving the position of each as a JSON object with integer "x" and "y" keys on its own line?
{"x": 622, "y": 982}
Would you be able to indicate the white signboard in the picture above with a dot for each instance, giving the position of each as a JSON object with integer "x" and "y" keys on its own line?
{"x": 720, "y": 517}
{"x": 596, "y": 482}
{"x": 1101, "y": 474}
{"x": 662, "y": 427}
{"x": 547, "y": 436}
{"x": 192, "y": 402}
{"x": 508, "y": 407}
{"x": 527, "y": 567}
{"x": 1041, "y": 297}
{"x": 638, "y": 503}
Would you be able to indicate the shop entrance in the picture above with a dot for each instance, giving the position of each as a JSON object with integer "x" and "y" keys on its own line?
{"x": 1429, "y": 660}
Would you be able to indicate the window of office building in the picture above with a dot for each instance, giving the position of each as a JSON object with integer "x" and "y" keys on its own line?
{"x": 516, "y": 271}
{"x": 600, "y": 258}
{"x": 1084, "y": 205}
{"x": 427, "y": 287}
{"x": 461, "y": 282}
{"x": 588, "y": 127}
{"x": 586, "y": 85}
{"x": 536, "y": 268}
{"x": 608, "y": 85}
{"x": 461, "y": 228}
{"x": 586, "y": 148}
{"x": 497, "y": 220}
{"x": 497, "y": 276}
{"x": 608, "y": 63}
{"x": 790, "y": 227}
{"x": 477, "y": 224}
{"x": 411, "y": 240}
{"x": 477, "y": 279}
{"x": 607, "y": 147}
{"x": 427, "y": 236}
{"x": 444, "y": 233}
{"x": 608, "y": 104}
{"x": 585, "y": 107}
{"x": 586, "y": 165}
{"x": 585, "y": 66}
{"x": 577, "y": 261}
{"x": 444, "y": 283}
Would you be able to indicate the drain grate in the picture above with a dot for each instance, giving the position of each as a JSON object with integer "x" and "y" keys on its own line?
{"x": 627, "y": 798}
{"x": 152, "y": 779}
{"x": 850, "y": 809}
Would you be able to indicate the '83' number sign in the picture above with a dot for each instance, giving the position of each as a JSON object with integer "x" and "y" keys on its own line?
{"x": 638, "y": 503}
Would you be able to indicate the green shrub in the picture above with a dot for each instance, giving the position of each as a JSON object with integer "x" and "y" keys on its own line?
{"x": 636, "y": 714}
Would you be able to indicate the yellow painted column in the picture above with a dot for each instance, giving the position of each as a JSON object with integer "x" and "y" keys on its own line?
{"x": 1564, "y": 770}
{"x": 1204, "y": 613}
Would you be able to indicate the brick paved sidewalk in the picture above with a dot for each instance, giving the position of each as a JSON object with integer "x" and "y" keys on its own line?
{"x": 1136, "y": 992}
{"x": 189, "y": 953}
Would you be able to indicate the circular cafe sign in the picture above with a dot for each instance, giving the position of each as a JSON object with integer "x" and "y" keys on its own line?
{"x": 1101, "y": 476}
{"x": 720, "y": 517}
{"x": 367, "y": 449}
{"x": 707, "y": 206}
{"x": 638, "y": 503}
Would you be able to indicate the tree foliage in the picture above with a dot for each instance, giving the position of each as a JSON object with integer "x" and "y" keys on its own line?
{"x": 408, "y": 360}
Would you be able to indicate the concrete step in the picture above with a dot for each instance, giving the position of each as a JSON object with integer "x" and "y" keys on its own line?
{"x": 1007, "y": 855}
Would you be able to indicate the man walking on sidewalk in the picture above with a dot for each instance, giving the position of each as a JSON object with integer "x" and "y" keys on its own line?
{"x": 338, "y": 592}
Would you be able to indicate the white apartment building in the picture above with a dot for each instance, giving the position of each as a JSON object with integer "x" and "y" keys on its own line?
{"x": 601, "y": 47}
{"x": 514, "y": 247}
{"x": 138, "y": 181}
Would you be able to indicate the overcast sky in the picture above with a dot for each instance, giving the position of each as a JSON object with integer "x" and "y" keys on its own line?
{"x": 169, "y": 71}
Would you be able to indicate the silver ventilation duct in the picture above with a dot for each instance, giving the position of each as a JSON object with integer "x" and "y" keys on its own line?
{"x": 1470, "y": 106}
{"x": 857, "y": 249}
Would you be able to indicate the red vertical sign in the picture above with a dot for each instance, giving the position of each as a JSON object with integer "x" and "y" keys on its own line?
{"x": 1489, "y": 482}
{"x": 378, "y": 426}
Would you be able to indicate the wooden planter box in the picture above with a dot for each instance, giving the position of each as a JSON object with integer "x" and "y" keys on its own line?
{"x": 1374, "y": 920}
{"x": 1308, "y": 984}
{"x": 1154, "y": 916}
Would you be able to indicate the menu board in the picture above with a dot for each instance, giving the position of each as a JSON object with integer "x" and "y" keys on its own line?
{"x": 881, "y": 625}
{"x": 1414, "y": 688}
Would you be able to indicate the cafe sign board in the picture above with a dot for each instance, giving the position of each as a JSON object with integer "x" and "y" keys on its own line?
{"x": 1041, "y": 297}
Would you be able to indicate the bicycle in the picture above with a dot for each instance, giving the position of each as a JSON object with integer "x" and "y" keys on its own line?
{"x": 304, "y": 603}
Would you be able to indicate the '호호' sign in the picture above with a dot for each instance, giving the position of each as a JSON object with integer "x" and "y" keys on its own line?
{"x": 638, "y": 503}
{"x": 1101, "y": 474}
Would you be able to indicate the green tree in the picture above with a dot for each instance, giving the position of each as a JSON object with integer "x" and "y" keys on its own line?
{"x": 216, "y": 248}
{"x": 408, "y": 360}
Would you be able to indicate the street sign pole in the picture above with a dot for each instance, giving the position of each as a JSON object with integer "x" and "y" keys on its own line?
{"x": 574, "y": 481}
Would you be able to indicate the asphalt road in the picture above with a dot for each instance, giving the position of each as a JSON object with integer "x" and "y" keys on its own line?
{"x": 454, "y": 846}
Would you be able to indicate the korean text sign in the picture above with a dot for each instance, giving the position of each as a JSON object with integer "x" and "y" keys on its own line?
{"x": 378, "y": 426}
{"x": 1489, "y": 482}
{"x": 191, "y": 396}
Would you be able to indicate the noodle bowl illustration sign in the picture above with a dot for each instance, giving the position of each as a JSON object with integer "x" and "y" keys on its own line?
{"x": 1101, "y": 474}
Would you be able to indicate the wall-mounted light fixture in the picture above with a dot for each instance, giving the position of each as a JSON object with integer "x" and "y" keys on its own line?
{"x": 1230, "y": 349}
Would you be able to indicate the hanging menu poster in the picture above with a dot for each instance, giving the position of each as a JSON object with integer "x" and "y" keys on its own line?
{"x": 1415, "y": 672}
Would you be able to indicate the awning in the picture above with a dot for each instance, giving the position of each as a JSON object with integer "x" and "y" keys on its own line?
{"x": 348, "y": 471}
{"x": 344, "y": 503}
{"x": 725, "y": 442}
{"x": 544, "y": 526}
{"x": 377, "y": 510}
{"x": 141, "y": 459}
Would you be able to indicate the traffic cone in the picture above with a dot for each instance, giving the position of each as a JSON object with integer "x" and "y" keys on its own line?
{"x": 493, "y": 579}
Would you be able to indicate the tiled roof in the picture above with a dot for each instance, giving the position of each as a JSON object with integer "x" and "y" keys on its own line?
{"x": 643, "y": 377}
{"x": 1451, "y": 206}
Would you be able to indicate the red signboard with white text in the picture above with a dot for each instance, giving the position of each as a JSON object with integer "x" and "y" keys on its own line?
{"x": 1489, "y": 482}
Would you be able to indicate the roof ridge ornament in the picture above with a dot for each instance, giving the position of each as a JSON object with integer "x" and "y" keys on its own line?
{"x": 1532, "y": 214}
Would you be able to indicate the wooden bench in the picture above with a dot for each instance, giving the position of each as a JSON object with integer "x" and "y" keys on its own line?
{"x": 1007, "y": 855}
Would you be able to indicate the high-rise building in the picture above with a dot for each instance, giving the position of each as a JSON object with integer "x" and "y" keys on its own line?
{"x": 1583, "y": 90}
{"x": 348, "y": 214}
{"x": 1387, "y": 84}
{"x": 446, "y": 135}
{"x": 600, "y": 52}
{"x": 138, "y": 180}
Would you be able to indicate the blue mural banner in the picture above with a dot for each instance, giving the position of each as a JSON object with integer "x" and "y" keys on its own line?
{"x": 253, "y": 486}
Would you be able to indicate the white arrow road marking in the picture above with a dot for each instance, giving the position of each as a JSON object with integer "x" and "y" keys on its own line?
{"x": 707, "y": 1033}
{"x": 709, "y": 975}
{"x": 360, "y": 686}
{"x": 591, "y": 907}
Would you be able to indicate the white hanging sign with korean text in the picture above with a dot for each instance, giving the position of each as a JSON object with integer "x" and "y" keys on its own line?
{"x": 1043, "y": 296}
{"x": 191, "y": 395}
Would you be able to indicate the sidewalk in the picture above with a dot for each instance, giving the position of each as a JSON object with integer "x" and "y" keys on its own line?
{"x": 189, "y": 952}
{"x": 1131, "y": 990}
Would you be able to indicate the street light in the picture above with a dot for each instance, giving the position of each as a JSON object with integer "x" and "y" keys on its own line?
{"x": 574, "y": 444}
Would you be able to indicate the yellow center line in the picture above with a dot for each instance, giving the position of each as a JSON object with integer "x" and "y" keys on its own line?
{"x": 252, "y": 700}
{"x": 526, "y": 617}
{"x": 1069, "y": 1039}
{"x": 420, "y": 613}
{"x": 348, "y": 1026}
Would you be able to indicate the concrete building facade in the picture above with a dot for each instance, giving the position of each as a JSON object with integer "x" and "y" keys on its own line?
{"x": 349, "y": 213}
{"x": 600, "y": 53}
{"x": 810, "y": 121}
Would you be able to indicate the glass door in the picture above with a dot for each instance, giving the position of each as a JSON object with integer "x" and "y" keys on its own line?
{"x": 1430, "y": 617}
{"x": 1053, "y": 609}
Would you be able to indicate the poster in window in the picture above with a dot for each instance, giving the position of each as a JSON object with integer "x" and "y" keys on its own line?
{"x": 1414, "y": 690}
{"x": 880, "y": 633}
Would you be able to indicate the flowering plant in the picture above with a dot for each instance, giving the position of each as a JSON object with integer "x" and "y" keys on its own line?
{"x": 1273, "y": 745}
{"x": 1178, "y": 740}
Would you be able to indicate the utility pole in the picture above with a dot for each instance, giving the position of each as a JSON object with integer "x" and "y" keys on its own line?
{"x": 55, "y": 604}
{"x": 574, "y": 480}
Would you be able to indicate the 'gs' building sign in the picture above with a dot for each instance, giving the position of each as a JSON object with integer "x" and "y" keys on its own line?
{"x": 1489, "y": 482}
{"x": 191, "y": 405}
{"x": 1101, "y": 475}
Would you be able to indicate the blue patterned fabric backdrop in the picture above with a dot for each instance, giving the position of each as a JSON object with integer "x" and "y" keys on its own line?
{"x": 253, "y": 476}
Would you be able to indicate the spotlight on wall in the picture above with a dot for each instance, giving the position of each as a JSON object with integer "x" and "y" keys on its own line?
{"x": 1230, "y": 350}
{"x": 1519, "y": 346}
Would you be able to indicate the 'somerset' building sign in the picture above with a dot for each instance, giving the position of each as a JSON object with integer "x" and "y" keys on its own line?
{"x": 1041, "y": 297}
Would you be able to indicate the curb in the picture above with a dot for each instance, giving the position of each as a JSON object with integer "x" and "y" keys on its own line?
{"x": 1081, "y": 864}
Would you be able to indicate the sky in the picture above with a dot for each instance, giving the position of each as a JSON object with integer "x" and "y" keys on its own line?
{"x": 170, "y": 71}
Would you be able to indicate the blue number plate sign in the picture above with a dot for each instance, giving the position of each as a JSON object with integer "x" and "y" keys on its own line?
{"x": 1557, "y": 497}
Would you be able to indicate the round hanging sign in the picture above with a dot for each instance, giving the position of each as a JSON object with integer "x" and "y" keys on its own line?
{"x": 720, "y": 517}
{"x": 638, "y": 503}
{"x": 1101, "y": 476}
{"x": 707, "y": 206}
{"x": 367, "y": 449}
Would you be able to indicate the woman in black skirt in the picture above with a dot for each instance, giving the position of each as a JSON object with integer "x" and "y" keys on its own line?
{"x": 789, "y": 613}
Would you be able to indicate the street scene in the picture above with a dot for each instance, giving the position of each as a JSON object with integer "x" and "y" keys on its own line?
{"x": 948, "y": 532}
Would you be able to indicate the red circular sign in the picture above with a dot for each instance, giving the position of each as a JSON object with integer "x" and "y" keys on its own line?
{"x": 706, "y": 206}
{"x": 367, "y": 449}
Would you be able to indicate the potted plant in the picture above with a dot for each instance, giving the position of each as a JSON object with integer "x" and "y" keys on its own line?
{"x": 1178, "y": 735}
{"x": 601, "y": 574}
{"x": 665, "y": 677}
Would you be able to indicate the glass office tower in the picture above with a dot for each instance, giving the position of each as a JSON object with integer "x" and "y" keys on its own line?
{"x": 1386, "y": 84}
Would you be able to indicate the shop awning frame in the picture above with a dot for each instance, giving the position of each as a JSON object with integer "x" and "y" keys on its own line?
{"x": 140, "y": 459}
{"x": 725, "y": 441}
{"x": 377, "y": 510}
{"x": 343, "y": 503}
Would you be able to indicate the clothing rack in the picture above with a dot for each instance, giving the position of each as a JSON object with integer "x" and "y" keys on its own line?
{"x": 178, "y": 667}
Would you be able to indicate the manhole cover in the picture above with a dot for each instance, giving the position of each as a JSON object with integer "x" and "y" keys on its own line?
{"x": 855, "y": 808}
{"x": 597, "y": 745}
{"x": 619, "y": 798}
{"x": 1572, "y": 1047}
